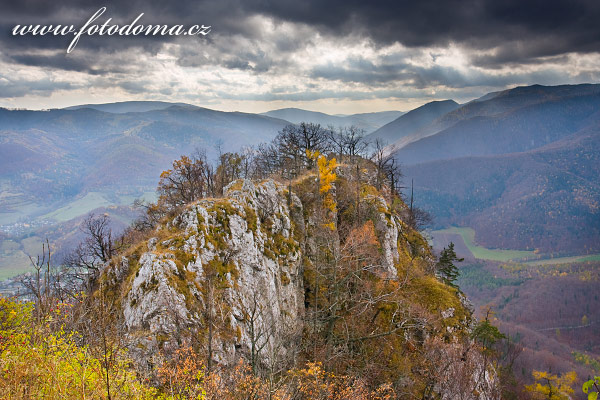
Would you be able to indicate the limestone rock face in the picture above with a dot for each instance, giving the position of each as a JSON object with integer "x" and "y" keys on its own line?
{"x": 151, "y": 296}
{"x": 227, "y": 275}
{"x": 234, "y": 261}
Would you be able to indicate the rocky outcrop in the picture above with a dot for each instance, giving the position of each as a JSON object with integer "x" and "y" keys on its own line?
{"x": 228, "y": 275}
{"x": 242, "y": 254}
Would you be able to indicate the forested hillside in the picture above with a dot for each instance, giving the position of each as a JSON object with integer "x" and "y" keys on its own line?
{"x": 520, "y": 167}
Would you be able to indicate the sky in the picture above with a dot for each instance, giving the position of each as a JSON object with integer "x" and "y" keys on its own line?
{"x": 338, "y": 57}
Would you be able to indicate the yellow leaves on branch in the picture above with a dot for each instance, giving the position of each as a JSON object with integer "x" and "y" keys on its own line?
{"x": 39, "y": 362}
{"x": 178, "y": 165}
{"x": 182, "y": 376}
{"x": 326, "y": 173}
{"x": 552, "y": 387}
{"x": 327, "y": 176}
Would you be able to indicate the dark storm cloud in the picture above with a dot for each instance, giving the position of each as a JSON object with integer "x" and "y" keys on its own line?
{"x": 266, "y": 39}
{"x": 361, "y": 70}
{"x": 521, "y": 29}
{"x": 60, "y": 61}
{"x": 564, "y": 25}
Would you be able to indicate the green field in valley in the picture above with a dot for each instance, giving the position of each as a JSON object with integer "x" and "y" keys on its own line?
{"x": 526, "y": 257}
{"x": 79, "y": 207}
{"x": 15, "y": 251}
{"x": 468, "y": 236}
{"x": 14, "y": 259}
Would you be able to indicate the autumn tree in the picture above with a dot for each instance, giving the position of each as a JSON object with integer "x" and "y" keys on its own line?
{"x": 43, "y": 360}
{"x": 552, "y": 387}
{"x": 326, "y": 177}
{"x": 231, "y": 167}
{"x": 189, "y": 179}
{"x": 182, "y": 375}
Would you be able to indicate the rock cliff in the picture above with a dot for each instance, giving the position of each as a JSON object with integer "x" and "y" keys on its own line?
{"x": 242, "y": 252}
{"x": 236, "y": 276}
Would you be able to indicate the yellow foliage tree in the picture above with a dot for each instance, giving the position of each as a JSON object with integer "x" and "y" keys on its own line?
{"x": 326, "y": 171}
{"x": 37, "y": 362}
{"x": 552, "y": 387}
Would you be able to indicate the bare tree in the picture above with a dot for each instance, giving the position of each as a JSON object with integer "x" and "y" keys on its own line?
{"x": 215, "y": 281}
{"x": 97, "y": 248}
{"x": 347, "y": 141}
{"x": 39, "y": 283}
{"x": 295, "y": 141}
{"x": 189, "y": 179}
{"x": 259, "y": 325}
{"x": 388, "y": 168}
{"x": 354, "y": 141}
{"x": 417, "y": 218}
{"x": 248, "y": 161}
{"x": 337, "y": 140}
{"x": 268, "y": 161}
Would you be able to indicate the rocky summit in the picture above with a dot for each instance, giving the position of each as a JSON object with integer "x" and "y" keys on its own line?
{"x": 249, "y": 276}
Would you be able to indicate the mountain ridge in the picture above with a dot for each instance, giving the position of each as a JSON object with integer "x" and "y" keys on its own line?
{"x": 367, "y": 121}
{"x": 545, "y": 198}
{"x": 411, "y": 122}
{"x": 520, "y": 129}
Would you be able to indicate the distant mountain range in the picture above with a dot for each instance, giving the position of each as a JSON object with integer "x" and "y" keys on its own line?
{"x": 130, "y": 106}
{"x": 49, "y": 159}
{"x": 520, "y": 166}
{"x": 410, "y": 124}
{"x": 367, "y": 121}
{"x": 513, "y": 121}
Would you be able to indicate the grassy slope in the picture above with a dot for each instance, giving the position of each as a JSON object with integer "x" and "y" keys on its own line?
{"x": 79, "y": 207}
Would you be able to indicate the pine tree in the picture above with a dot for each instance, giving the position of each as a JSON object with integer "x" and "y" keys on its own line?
{"x": 446, "y": 269}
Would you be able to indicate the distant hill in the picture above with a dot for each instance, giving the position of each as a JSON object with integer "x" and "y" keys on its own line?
{"x": 367, "y": 121}
{"x": 49, "y": 159}
{"x": 129, "y": 106}
{"x": 547, "y": 198}
{"x": 495, "y": 105}
{"x": 521, "y": 167}
{"x": 520, "y": 129}
{"x": 411, "y": 122}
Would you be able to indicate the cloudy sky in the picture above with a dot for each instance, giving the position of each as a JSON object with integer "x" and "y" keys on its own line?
{"x": 341, "y": 56}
